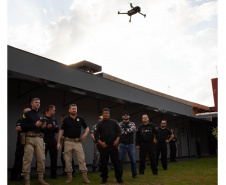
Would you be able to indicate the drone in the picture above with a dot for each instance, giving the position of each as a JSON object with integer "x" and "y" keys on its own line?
{"x": 133, "y": 11}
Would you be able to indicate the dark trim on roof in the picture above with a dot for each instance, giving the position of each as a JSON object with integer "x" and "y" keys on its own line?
{"x": 34, "y": 66}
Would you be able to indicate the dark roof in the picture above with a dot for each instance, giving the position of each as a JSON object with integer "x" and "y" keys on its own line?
{"x": 28, "y": 66}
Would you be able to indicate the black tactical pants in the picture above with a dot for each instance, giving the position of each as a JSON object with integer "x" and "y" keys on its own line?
{"x": 51, "y": 144}
{"x": 162, "y": 148}
{"x": 111, "y": 151}
{"x": 147, "y": 148}
{"x": 18, "y": 162}
{"x": 173, "y": 150}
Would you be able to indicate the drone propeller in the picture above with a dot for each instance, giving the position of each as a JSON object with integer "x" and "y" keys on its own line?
{"x": 131, "y": 5}
{"x": 142, "y": 14}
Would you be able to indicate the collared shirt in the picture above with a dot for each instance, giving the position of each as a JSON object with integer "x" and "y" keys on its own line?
{"x": 72, "y": 127}
{"x": 107, "y": 131}
{"x": 29, "y": 120}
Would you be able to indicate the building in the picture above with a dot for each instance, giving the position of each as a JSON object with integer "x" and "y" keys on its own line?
{"x": 84, "y": 84}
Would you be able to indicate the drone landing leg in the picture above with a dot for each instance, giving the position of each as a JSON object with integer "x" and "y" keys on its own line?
{"x": 142, "y": 14}
{"x": 130, "y": 19}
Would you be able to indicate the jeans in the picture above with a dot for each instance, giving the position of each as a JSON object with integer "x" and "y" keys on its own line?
{"x": 130, "y": 149}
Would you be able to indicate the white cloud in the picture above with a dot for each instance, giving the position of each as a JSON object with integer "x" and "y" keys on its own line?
{"x": 157, "y": 51}
{"x": 44, "y": 11}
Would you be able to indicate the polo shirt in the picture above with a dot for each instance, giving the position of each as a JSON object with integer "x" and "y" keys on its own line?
{"x": 72, "y": 127}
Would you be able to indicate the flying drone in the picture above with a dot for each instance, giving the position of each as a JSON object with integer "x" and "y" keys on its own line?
{"x": 133, "y": 11}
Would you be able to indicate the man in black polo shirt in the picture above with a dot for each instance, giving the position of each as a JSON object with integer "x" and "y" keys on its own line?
{"x": 162, "y": 140}
{"x": 50, "y": 140}
{"x": 107, "y": 134}
{"x": 71, "y": 129}
{"x": 63, "y": 116}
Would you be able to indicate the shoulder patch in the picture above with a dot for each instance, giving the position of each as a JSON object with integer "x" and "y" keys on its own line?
{"x": 77, "y": 119}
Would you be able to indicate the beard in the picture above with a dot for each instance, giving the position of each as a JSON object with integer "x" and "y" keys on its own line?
{"x": 73, "y": 113}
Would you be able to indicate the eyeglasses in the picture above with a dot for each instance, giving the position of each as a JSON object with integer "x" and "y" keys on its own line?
{"x": 144, "y": 117}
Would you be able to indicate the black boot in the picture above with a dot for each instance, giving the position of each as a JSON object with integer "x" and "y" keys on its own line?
{"x": 104, "y": 181}
{"x": 94, "y": 169}
{"x": 120, "y": 181}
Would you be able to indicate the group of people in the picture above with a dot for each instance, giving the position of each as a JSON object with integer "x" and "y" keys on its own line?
{"x": 36, "y": 135}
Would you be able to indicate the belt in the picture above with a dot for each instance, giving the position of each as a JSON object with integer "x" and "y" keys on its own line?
{"x": 72, "y": 139}
{"x": 33, "y": 134}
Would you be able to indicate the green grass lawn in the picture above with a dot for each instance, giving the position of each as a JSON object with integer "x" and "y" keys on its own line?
{"x": 201, "y": 171}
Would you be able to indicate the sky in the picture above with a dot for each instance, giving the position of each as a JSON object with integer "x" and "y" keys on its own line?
{"x": 174, "y": 50}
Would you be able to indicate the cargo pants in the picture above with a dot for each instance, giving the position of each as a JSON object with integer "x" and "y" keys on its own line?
{"x": 69, "y": 148}
{"x": 33, "y": 145}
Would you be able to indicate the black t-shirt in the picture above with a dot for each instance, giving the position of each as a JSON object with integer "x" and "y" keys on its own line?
{"x": 163, "y": 135}
{"x": 29, "y": 119}
{"x": 72, "y": 127}
{"x": 107, "y": 131}
{"x": 50, "y": 133}
{"x": 127, "y": 132}
{"x": 174, "y": 137}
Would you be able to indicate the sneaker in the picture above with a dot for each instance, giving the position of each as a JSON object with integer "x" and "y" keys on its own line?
{"x": 165, "y": 168}
{"x": 141, "y": 173}
{"x": 134, "y": 176}
{"x": 73, "y": 174}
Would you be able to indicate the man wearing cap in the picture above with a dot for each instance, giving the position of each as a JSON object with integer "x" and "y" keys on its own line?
{"x": 126, "y": 142}
{"x": 71, "y": 129}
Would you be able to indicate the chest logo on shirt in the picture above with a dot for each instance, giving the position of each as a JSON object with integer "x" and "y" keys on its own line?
{"x": 77, "y": 119}
{"x": 23, "y": 116}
